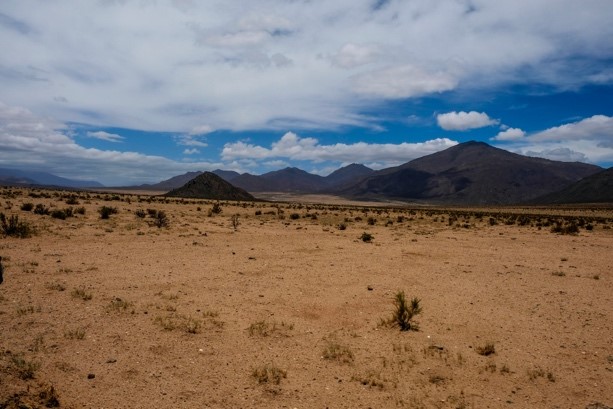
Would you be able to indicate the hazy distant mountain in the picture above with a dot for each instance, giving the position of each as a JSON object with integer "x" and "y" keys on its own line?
{"x": 472, "y": 173}
{"x": 25, "y": 177}
{"x": 210, "y": 186}
{"x": 597, "y": 188}
{"x": 284, "y": 180}
{"x": 169, "y": 184}
{"x": 227, "y": 175}
{"x": 347, "y": 175}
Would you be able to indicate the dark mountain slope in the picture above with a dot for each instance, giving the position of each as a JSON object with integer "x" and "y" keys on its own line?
{"x": 210, "y": 186}
{"x": 597, "y": 188}
{"x": 472, "y": 173}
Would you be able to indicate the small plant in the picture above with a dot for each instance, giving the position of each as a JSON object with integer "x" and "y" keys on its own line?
{"x": 72, "y": 200}
{"x": 140, "y": 213}
{"x": 269, "y": 374}
{"x": 161, "y": 220}
{"x": 55, "y": 286}
{"x": 27, "y": 207}
{"x": 371, "y": 221}
{"x": 558, "y": 273}
{"x": 13, "y": 227}
{"x": 79, "y": 210}
{"x": 487, "y": 349}
{"x": 28, "y": 310}
{"x": 294, "y": 216}
{"x": 82, "y": 294}
{"x": 40, "y": 209}
{"x": 25, "y": 369}
{"x": 166, "y": 323}
{"x": 366, "y": 237}
{"x": 106, "y": 211}
{"x": 264, "y": 329}
{"x": 405, "y": 311}
{"x": 235, "y": 221}
{"x": 77, "y": 333}
{"x": 337, "y": 352}
{"x": 342, "y": 226}
{"x": 118, "y": 305}
{"x": 216, "y": 209}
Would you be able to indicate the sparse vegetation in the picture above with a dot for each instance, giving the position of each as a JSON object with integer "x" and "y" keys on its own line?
{"x": 13, "y": 227}
{"x": 106, "y": 212}
{"x": 486, "y": 350}
{"x": 77, "y": 333}
{"x": 269, "y": 374}
{"x": 235, "y": 221}
{"x": 337, "y": 352}
{"x": 161, "y": 220}
{"x": 118, "y": 305}
{"x": 264, "y": 328}
{"x": 367, "y": 237}
{"x": 25, "y": 369}
{"x": 82, "y": 294}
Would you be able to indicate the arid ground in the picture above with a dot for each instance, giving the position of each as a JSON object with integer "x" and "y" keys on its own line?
{"x": 289, "y": 306}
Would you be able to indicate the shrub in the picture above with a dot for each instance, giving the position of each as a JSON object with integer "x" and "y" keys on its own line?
{"x": 235, "y": 220}
{"x": 367, "y": 237}
{"x": 216, "y": 209}
{"x": 79, "y": 210}
{"x": 82, "y": 294}
{"x": 294, "y": 216}
{"x": 487, "y": 349}
{"x": 404, "y": 312}
{"x": 161, "y": 220}
{"x": 107, "y": 211}
{"x": 41, "y": 209}
{"x": 25, "y": 369}
{"x": 72, "y": 200}
{"x": 371, "y": 221}
{"x": 342, "y": 226}
{"x": 15, "y": 228}
{"x": 27, "y": 207}
{"x": 140, "y": 213}
{"x": 337, "y": 352}
{"x": 269, "y": 374}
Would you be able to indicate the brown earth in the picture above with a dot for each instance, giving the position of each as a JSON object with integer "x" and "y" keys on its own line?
{"x": 185, "y": 316}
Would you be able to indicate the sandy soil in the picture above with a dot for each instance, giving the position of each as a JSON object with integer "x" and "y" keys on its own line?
{"x": 193, "y": 314}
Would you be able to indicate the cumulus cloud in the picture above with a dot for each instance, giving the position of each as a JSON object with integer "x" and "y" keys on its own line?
{"x": 105, "y": 136}
{"x": 596, "y": 127}
{"x": 201, "y": 130}
{"x": 509, "y": 134}
{"x": 586, "y": 140}
{"x": 192, "y": 151}
{"x": 243, "y": 66}
{"x": 30, "y": 141}
{"x": 294, "y": 147}
{"x": 462, "y": 121}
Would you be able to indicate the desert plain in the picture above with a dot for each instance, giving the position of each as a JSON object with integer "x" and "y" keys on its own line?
{"x": 288, "y": 305}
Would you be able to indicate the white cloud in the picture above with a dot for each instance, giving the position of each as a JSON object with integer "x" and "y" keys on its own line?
{"x": 462, "y": 121}
{"x": 353, "y": 55}
{"x": 201, "y": 130}
{"x": 404, "y": 81}
{"x": 192, "y": 151}
{"x": 169, "y": 66}
{"x": 509, "y": 134}
{"x": 294, "y": 147}
{"x": 559, "y": 154}
{"x": 596, "y": 127}
{"x": 191, "y": 140}
{"x": 30, "y": 141}
{"x": 587, "y": 140}
{"x": 105, "y": 136}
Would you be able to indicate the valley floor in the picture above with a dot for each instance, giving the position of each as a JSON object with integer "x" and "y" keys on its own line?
{"x": 284, "y": 306}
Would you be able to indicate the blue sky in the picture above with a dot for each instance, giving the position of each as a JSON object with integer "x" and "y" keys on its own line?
{"x": 133, "y": 91}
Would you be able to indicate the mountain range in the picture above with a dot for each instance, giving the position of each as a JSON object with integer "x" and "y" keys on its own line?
{"x": 15, "y": 177}
{"x": 471, "y": 173}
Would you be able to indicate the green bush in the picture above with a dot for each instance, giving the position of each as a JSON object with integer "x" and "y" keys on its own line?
{"x": 405, "y": 311}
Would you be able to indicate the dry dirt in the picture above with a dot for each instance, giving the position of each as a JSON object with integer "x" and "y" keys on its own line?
{"x": 200, "y": 314}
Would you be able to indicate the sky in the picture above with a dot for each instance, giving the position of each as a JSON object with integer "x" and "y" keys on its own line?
{"x": 137, "y": 91}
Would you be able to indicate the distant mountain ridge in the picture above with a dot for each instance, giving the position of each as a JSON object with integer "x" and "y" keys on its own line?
{"x": 471, "y": 173}
{"x": 26, "y": 177}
